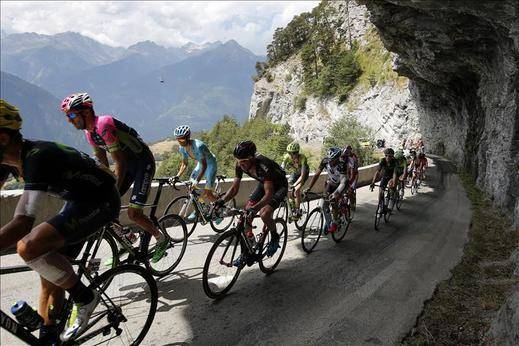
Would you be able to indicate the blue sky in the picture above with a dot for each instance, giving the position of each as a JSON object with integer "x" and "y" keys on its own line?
{"x": 171, "y": 23}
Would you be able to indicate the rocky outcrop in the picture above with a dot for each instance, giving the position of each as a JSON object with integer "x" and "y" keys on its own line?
{"x": 387, "y": 108}
{"x": 505, "y": 328}
{"x": 462, "y": 58}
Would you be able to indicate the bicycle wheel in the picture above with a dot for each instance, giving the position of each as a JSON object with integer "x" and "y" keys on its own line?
{"x": 414, "y": 188}
{"x": 228, "y": 218}
{"x": 104, "y": 255}
{"x": 282, "y": 211}
{"x": 173, "y": 228}
{"x": 378, "y": 214}
{"x": 389, "y": 206}
{"x": 126, "y": 308}
{"x": 305, "y": 209}
{"x": 220, "y": 273}
{"x": 181, "y": 206}
{"x": 269, "y": 264}
{"x": 400, "y": 198}
{"x": 312, "y": 229}
{"x": 338, "y": 235}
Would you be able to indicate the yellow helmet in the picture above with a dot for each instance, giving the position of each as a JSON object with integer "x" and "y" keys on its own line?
{"x": 9, "y": 116}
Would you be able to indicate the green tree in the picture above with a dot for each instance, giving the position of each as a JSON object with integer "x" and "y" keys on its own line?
{"x": 349, "y": 131}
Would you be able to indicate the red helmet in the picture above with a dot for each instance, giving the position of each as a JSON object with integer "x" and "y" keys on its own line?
{"x": 76, "y": 101}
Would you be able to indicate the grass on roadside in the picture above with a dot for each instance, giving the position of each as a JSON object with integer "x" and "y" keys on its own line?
{"x": 462, "y": 307}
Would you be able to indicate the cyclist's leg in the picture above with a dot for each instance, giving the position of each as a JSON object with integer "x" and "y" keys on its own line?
{"x": 210, "y": 181}
{"x": 266, "y": 216}
{"x": 141, "y": 189}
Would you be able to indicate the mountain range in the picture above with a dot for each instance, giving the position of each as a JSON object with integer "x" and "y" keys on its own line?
{"x": 152, "y": 87}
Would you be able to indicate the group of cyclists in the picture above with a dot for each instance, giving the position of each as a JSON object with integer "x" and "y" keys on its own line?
{"x": 92, "y": 193}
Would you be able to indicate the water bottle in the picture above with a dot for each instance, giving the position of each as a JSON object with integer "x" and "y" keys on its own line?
{"x": 26, "y": 316}
{"x": 129, "y": 235}
{"x": 93, "y": 265}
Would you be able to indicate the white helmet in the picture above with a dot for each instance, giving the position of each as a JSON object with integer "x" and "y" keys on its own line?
{"x": 182, "y": 131}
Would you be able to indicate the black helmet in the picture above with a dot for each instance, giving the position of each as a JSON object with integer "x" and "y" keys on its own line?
{"x": 244, "y": 149}
{"x": 389, "y": 151}
{"x": 333, "y": 153}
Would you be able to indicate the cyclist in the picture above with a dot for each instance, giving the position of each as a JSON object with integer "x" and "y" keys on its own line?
{"x": 413, "y": 167}
{"x": 423, "y": 164}
{"x": 206, "y": 162}
{"x": 296, "y": 164}
{"x": 270, "y": 192}
{"x": 335, "y": 185}
{"x": 134, "y": 162}
{"x": 387, "y": 171}
{"x": 401, "y": 167}
{"x": 92, "y": 200}
{"x": 352, "y": 163}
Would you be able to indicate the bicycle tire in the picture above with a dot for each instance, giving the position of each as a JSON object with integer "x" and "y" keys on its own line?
{"x": 234, "y": 246}
{"x": 166, "y": 224}
{"x": 344, "y": 226}
{"x": 106, "y": 279}
{"x": 400, "y": 198}
{"x": 378, "y": 214}
{"x": 282, "y": 211}
{"x": 226, "y": 225}
{"x": 305, "y": 207}
{"x": 306, "y": 233}
{"x": 283, "y": 235}
{"x": 388, "y": 200}
{"x": 175, "y": 207}
{"x": 114, "y": 249}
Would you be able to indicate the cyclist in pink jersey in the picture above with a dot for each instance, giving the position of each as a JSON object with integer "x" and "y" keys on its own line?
{"x": 134, "y": 162}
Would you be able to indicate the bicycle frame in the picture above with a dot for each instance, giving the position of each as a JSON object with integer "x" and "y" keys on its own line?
{"x": 17, "y": 329}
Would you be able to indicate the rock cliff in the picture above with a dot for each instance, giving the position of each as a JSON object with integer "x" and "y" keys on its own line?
{"x": 462, "y": 58}
{"x": 388, "y": 107}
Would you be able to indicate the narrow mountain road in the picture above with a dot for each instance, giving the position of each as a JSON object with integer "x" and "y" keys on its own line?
{"x": 367, "y": 290}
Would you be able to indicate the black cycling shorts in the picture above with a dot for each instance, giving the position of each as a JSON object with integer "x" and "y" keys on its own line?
{"x": 294, "y": 176}
{"x": 141, "y": 175}
{"x": 385, "y": 180}
{"x": 76, "y": 221}
{"x": 279, "y": 195}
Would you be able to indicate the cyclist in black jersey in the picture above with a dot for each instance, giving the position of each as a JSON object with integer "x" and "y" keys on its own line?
{"x": 91, "y": 198}
{"x": 270, "y": 192}
{"x": 335, "y": 185}
{"x": 388, "y": 173}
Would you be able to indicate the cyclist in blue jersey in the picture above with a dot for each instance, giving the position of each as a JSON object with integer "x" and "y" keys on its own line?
{"x": 206, "y": 162}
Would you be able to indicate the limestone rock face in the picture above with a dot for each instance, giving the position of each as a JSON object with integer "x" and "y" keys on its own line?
{"x": 388, "y": 109}
{"x": 462, "y": 58}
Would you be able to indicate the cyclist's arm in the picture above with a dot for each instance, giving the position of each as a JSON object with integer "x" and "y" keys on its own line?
{"x": 203, "y": 162}
{"x": 375, "y": 177}
{"x": 182, "y": 168}
{"x": 268, "y": 186}
{"x": 343, "y": 182}
{"x": 121, "y": 166}
{"x": 100, "y": 154}
{"x": 302, "y": 176}
{"x": 233, "y": 190}
{"x": 314, "y": 178}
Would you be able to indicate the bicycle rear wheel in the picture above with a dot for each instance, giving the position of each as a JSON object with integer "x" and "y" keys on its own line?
{"x": 126, "y": 308}
{"x": 220, "y": 273}
{"x": 312, "y": 229}
{"x": 269, "y": 264}
{"x": 378, "y": 214}
{"x": 228, "y": 218}
{"x": 183, "y": 207}
{"x": 173, "y": 227}
{"x": 305, "y": 209}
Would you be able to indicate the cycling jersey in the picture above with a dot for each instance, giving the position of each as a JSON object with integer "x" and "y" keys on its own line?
{"x": 201, "y": 151}
{"x": 334, "y": 172}
{"x": 388, "y": 169}
{"x": 111, "y": 135}
{"x": 401, "y": 165}
{"x": 291, "y": 166}
{"x": 89, "y": 189}
{"x": 266, "y": 170}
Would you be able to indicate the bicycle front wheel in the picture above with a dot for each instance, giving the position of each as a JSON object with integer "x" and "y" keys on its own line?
{"x": 338, "y": 235}
{"x": 126, "y": 307}
{"x": 184, "y": 207}
{"x": 312, "y": 229}
{"x": 400, "y": 199}
{"x": 268, "y": 264}
{"x": 220, "y": 272}
{"x": 378, "y": 214}
{"x": 175, "y": 230}
{"x": 282, "y": 211}
{"x": 305, "y": 209}
{"x": 226, "y": 218}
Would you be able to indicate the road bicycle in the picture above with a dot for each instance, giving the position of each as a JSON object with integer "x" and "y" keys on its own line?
{"x": 126, "y": 309}
{"x": 385, "y": 205}
{"x": 193, "y": 210}
{"x": 415, "y": 183}
{"x": 234, "y": 249}
{"x": 171, "y": 225}
{"x": 314, "y": 225}
{"x": 286, "y": 209}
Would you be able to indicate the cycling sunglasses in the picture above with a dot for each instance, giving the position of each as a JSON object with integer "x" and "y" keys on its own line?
{"x": 243, "y": 160}
{"x": 72, "y": 116}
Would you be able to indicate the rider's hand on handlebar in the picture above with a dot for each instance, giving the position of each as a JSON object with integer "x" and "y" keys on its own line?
{"x": 219, "y": 203}
{"x": 372, "y": 186}
{"x": 250, "y": 212}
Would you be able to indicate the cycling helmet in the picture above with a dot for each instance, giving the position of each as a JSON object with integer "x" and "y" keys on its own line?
{"x": 244, "y": 150}
{"x": 182, "y": 131}
{"x": 399, "y": 154}
{"x": 9, "y": 116}
{"x": 293, "y": 147}
{"x": 76, "y": 101}
{"x": 333, "y": 153}
{"x": 389, "y": 151}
